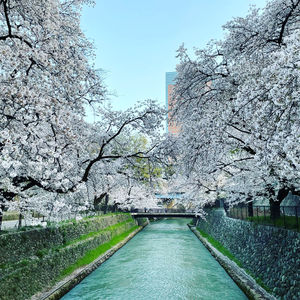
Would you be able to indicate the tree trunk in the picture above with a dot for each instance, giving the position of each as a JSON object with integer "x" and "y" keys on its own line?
{"x": 105, "y": 203}
{"x": 115, "y": 207}
{"x": 20, "y": 221}
{"x": 2, "y": 207}
{"x": 1, "y": 216}
{"x": 275, "y": 209}
{"x": 275, "y": 204}
{"x": 97, "y": 201}
{"x": 250, "y": 209}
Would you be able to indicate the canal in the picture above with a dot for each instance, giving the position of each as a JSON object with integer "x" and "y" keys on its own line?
{"x": 164, "y": 261}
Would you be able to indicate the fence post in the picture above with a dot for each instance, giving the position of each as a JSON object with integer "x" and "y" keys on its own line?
{"x": 283, "y": 217}
{"x": 257, "y": 214}
{"x": 264, "y": 213}
{"x": 1, "y": 218}
{"x": 296, "y": 214}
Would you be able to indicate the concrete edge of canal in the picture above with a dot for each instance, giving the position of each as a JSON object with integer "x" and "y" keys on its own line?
{"x": 245, "y": 282}
{"x": 65, "y": 285}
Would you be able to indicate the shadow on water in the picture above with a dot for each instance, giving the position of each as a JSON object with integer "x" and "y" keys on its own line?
{"x": 164, "y": 261}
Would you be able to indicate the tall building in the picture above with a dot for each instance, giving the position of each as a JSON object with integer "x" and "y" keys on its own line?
{"x": 171, "y": 126}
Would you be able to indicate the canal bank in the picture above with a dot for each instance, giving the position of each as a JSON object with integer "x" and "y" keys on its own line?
{"x": 34, "y": 260}
{"x": 164, "y": 261}
{"x": 246, "y": 283}
{"x": 69, "y": 282}
{"x": 269, "y": 254}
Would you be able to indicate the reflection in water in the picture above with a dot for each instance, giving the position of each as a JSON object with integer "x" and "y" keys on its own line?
{"x": 164, "y": 261}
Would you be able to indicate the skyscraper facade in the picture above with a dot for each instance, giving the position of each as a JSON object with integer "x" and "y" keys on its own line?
{"x": 171, "y": 126}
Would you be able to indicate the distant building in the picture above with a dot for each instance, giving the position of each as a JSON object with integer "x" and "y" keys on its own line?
{"x": 171, "y": 126}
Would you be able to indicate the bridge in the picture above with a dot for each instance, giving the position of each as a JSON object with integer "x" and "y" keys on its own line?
{"x": 162, "y": 213}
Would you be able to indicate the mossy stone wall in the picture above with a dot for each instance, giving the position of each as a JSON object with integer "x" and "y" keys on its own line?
{"x": 19, "y": 245}
{"x": 270, "y": 253}
{"x": 50, "y": 251}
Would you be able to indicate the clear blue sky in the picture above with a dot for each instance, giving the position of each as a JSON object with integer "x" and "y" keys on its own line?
{"x": 136, "y": 40}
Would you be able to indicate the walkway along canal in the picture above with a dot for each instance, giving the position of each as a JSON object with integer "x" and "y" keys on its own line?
{"x": 164, "y": 261}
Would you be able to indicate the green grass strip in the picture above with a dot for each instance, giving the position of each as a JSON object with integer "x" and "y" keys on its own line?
{"x": 219, "y": 247}
{"x": 95, "y": 233}
{"x": 227, "y": 253}
{"x": 288, "y": 222}
{"x": 91, "y": 255}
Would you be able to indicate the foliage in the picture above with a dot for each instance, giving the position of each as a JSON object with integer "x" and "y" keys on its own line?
{"x": 10, "y": 216}
{"x": 141, "y": 176}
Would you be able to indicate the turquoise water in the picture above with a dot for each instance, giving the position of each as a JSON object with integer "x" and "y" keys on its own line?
{"x": 164, "y": 261}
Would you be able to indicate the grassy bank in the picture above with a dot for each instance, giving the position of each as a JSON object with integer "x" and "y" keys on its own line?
{"x": 91, "y": 255}
{"x": 35, "y": 259}
{"x": 96, "y": 233}
{"x": 288, "y": 222}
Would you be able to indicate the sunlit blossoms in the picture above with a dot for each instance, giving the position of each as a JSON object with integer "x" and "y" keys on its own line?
{"x": 49, "y": 154}
{"x": 238, "y": 103}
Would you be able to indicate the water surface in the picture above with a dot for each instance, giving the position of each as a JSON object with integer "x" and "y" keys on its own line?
{"x": 164, "y": 261}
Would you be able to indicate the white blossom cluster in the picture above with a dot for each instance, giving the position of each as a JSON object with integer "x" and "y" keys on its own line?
{"x": 238, "y": 104}
{"x": 50, "y": 158}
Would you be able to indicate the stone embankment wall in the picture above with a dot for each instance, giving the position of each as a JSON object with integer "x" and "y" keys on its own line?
{"x": 269, "y": 253}
{"x": 32, "y": 260}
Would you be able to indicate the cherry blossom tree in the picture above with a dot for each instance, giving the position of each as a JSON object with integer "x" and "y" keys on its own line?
{"x": 45, "y": 82}
{"x": 238, "y": 103}
{"x": 49, "y": 154}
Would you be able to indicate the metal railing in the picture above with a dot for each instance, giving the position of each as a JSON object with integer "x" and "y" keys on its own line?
{"x": 159, "y": 210}
{"x": 289, "y": 216}
{"x": 38, "y": 219}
